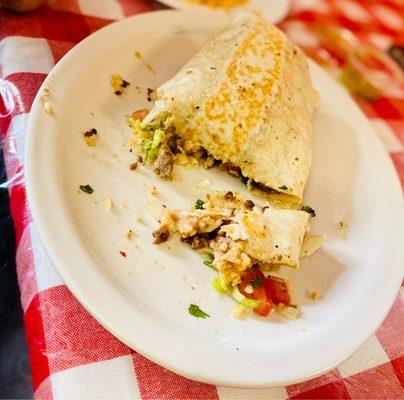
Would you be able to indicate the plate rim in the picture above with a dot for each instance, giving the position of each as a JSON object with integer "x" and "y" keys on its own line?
{"x": 184, "y": 5}
{"x": 36, "y": 210}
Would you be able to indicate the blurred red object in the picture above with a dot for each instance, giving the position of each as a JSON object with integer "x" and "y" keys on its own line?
{"x": 22, "y": 5}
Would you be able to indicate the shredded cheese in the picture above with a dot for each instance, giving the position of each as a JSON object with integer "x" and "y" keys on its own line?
{"x": 342, "y": 228}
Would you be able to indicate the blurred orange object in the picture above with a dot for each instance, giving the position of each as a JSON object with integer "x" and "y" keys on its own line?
{"x": 220, "y": 3}
{"x": 363, "y": 69}
{"x": 22, "y": 5}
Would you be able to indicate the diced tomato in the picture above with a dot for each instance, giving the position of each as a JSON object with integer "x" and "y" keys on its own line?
{"x": 265, "y": 306}
{"x": 256, "y": 279}
{"x": 268, "y": 291}
{"x": 278, "y": 290}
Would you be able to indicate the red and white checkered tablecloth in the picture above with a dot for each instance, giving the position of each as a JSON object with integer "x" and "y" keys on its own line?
{"x": 71, "y": 355}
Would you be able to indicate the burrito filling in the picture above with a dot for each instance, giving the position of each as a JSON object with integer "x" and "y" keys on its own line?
{"x": 245, "y": 242}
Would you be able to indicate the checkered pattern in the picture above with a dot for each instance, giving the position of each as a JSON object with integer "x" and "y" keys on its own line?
{"x": 72, "y": 356}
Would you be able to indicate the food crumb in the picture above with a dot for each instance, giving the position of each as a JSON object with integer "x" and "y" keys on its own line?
{"x": 140, "y": 114}
{"x": 138, "y": 55}
{"x": 48, "y": 108}
{"x": 203, "y": 183}
{"x": 133, "y": 166}
{"x": 122, "y": 253}
{"x": 315, "y": 295}
{"x": 153, "y": 190}
{"x": 183, "y": 277}
{"x": 118, "y": 83}
{"x": 149, "y": 94}
{"x": 157, "y": 262}
{"x": 108, "y": 203}
{"x": 90, "y": 137}
{"x": 129, "y": 234}
{"x": 342, "y": 228}
{"x": 137, "y": 217}
{"x": 45, "y": 94}
{"x": 86, "y": 189}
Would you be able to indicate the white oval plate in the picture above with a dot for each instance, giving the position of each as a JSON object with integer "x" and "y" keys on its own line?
{"x": 272, "y": 10}
{"x": 143, "y": 298}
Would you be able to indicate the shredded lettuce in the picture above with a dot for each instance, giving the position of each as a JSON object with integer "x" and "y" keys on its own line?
{"x": 150, "y": 148}
{"x": 152, "y": 137}
{"x": 219, "y": 286}
{"x": 243, "y": 301}
{"x": 288, "y": 311}
{"x": 237, "y": 295}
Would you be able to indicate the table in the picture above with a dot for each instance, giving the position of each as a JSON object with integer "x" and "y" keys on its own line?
{"x": 71, "y": 355}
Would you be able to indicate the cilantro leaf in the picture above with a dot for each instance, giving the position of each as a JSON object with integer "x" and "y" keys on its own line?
{"x": 199, "y": 204}
{"x": 208, "y": 263}
{"x": 309, "y": 210}
{"x": 256, "y": 282}
{"x": 196, "y": 312}
{"x": 86, "y": 189}
{"x": 283, "y": 187}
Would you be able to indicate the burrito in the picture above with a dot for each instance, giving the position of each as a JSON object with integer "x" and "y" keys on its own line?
{"x": 239, "y": 233}
{"x": 244, "y": 102}
{"x": 246, "y": 242}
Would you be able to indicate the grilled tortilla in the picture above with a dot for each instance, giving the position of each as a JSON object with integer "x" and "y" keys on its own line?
{"x": 245, "y": 98}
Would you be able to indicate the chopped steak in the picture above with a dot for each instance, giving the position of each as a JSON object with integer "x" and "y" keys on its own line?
{"x": 161, "y": 235}
{"x": 197, "y": 241}
{"x": 249, "y": 205}
{"x": 230, "y": 168}
{"x": 163, "y": 166}
{"x": 264, "y": 188}
{"x": 229, "y": 196}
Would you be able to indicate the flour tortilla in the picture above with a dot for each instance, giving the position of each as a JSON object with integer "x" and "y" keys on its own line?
{"x": 246, "y": 97}
{"x": 273, "y": 237}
